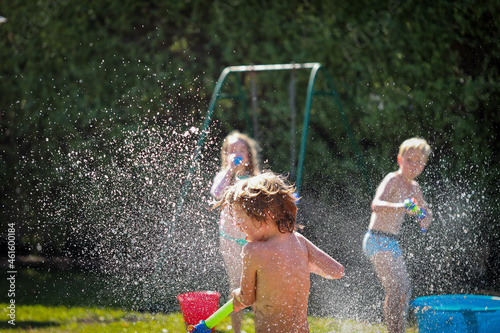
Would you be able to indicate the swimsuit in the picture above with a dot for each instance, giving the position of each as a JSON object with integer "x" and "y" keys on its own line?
{"x": 218, "y": 187}
{"x": 240, "y": 241}
{"x": 377, "y": 241}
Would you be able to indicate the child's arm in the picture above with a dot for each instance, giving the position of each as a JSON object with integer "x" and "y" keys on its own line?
{"x": 381, "y": 201}
{"x": 225, "y": 177}
{"x": 245, "y": 295}
{"x": 321, "y": 263}
{"x": 221, "y": 181}
{"x": 238, "y": 303}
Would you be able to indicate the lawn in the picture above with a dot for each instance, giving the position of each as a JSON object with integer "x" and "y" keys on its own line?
{"x": 77, "y": 302}
{"x": 59, "y": 319}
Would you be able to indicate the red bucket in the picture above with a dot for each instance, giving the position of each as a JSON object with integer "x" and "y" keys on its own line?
{"x": 199, "y": 305}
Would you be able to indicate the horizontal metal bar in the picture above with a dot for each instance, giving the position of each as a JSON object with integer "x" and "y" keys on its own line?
{"x": 276, "y": 67}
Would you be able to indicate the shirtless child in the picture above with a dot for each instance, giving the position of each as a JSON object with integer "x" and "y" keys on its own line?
{"x": 381, "y": 243}
{"x": 277, "y": 261}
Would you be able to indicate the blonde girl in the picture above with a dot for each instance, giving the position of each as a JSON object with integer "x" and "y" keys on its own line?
{"x": 239, "y": 160}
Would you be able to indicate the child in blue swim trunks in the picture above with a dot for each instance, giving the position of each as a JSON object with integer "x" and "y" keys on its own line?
{"x": 381, "y": 244}
{"x": 239, "y": 161}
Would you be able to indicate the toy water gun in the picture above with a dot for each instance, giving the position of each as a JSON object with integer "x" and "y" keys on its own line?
{"x": 411, "y": 205}
{"x": 238, "y": 160}
{"x": 205, "y": 326}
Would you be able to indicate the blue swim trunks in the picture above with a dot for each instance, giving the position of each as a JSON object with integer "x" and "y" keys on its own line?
{"x": 377, "y": 241}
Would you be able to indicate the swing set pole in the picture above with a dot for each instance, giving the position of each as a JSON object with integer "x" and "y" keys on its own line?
{"x": 305, "y": 126}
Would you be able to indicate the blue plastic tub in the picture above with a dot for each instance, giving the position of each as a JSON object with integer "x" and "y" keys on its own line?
{"x": 457, "y": 313}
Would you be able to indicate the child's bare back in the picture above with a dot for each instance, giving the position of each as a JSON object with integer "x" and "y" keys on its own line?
{"x": 281, "y": 268}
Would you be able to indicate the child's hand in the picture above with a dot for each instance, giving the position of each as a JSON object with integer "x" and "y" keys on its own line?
{"x": 237, "y": 304}
{"x": 423, "y": 213}
{"x": 235, "y": 162}
{"x": 413, "y": 209}
{"x": 425, "y": 223}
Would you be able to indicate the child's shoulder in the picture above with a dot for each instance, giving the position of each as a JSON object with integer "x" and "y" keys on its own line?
{"x": 253, "y": 248}
{"x": 301, "y": 238}
{"x": 264, "y": 248}
{"x": 390, "y": 182}
{"x": 255, "y": 253}
{"x": 392, "y": 177}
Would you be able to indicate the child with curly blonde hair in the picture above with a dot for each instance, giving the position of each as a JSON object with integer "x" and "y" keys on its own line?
{"x": 277, "y": 260}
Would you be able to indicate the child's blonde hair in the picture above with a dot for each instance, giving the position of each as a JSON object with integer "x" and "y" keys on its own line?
{"x": 415, "y": 143}
{"x": 252, "y": 146}
{"x": 262, "y": 196}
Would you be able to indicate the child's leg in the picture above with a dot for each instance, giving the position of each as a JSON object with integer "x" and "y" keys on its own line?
{"x": 231, "y": 252}
{"x": 392, "y": 273}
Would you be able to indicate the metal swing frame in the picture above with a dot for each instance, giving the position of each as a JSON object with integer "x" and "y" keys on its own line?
{"x": 315, "y": 68}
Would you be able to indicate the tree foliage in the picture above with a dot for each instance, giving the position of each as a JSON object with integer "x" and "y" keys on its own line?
{"x": 71, "y": 72}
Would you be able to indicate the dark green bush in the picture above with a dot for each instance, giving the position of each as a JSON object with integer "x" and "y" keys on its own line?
{"x": 71, "y": 72}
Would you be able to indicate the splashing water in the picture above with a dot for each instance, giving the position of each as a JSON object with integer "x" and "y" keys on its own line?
{"x": 451, "y": 258}
{"x": 118, "y": 213}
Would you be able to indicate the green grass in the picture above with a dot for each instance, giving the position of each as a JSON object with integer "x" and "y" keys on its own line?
{"x": 59, "y": 319}
{"x": 76, "y": 302}
{"x": 38, "y": 318}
